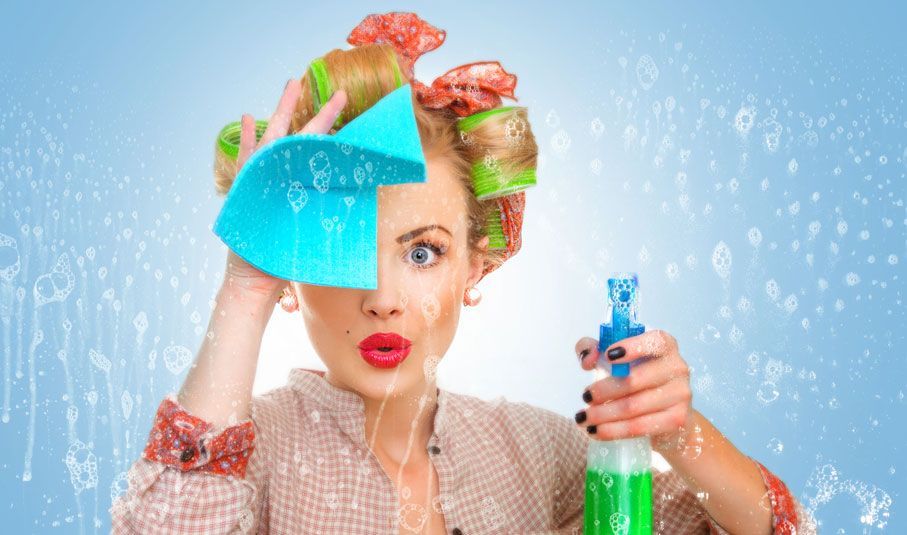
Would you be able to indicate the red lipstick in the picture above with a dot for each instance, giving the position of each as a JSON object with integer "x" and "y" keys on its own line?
{"x": 384, "y": 350}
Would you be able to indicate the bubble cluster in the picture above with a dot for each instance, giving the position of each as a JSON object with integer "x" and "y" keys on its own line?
{"x": 82, "y": 465}
{"x": 177, "y": 358}
{"x": 56, "y": 285}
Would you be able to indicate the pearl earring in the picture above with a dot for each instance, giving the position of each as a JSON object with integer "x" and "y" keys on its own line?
{"x": 288, "y": 301}
{"x": 472, "y": 297}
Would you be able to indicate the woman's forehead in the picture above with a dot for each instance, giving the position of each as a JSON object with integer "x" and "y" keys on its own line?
{"x": 438, "y": 200}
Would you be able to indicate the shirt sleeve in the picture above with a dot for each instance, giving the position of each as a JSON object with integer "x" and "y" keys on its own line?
{"x": 570, "y": 445}
{"x": 193, "y": 478}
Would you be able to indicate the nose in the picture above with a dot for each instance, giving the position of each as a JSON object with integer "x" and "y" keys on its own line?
{"x": 388, "y": 300}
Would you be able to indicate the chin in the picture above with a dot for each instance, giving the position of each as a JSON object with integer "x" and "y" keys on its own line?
{"x": 378, "y": 383}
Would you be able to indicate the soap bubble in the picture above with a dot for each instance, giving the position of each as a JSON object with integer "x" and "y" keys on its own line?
{"x": 767, "y": 393}
{"x": 431, "y": 308}
{"x": 118, "y": 486}
{"x": 140, "y": 322}
{"x": 773, "y": 131}
{"x": 772, "y": 289}
{"x": 709, "y": 334}
{"x": 721, "y": 260}
{"x": 126, "y": 403}
{"x": 56, "y": 285}
{"x": 646, "y": 72}
{"x": 791, "y": 303}
{"x": 752, "y": 363}
{"x": 690, "y": 261}
{"x": 775, "y": 446}
{"x": 619, "y": 523}
{"x": 82, "y": 465}
{"x": 596, "y": 166}
{"x": 320, "y": 166}
{"x": 874, "y": 502}
{"x": 754, "y": 236}
{"x": 773, "y": 370}
{"x": 515, "y": 131}
{"x": 492, "y": 514}
{"x": 744, "y": 119}
{"x": 560, "y": 142}
{"x": 814, "y": 228}
{"x": 9, "y": 258}
{"x": 99, "y": 360}
{"x": 297, "y": 196}
{"x": 177, "y": 358}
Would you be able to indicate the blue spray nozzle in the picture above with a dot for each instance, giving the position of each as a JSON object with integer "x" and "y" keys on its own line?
{"x": 623, "y": 298}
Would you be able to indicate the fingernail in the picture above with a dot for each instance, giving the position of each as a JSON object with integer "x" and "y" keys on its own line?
{"x": 616, "y": 353}
{"x": 591, "y": 429}
{"x": 587, "y": 396}
{"x": 580, "y": 417}
{"x": 290, "y": 81}
{"x": 583, "y": 354}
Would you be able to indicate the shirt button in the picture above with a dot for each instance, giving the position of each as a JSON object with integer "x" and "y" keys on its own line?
{"x": 434, "y": 450}
{"x": 187, "y": 455}
{"x": 456, "y": 531}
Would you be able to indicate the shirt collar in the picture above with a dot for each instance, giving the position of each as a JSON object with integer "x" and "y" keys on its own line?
{"x": 348, "y": 407}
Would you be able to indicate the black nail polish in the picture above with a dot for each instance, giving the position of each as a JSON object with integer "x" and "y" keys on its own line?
{"x": 587, "y": 396}
{"x": 616, "y": 353}
{"x": 580, "y": 417}
{"x": 591, "y": 429}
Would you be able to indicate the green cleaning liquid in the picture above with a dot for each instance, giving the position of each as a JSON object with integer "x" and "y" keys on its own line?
{"x": 618, "y": 504}
{"x": 618, "y": 472}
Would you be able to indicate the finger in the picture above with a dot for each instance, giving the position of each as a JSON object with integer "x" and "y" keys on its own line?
{"x": 655, "y": 343}
{"x": 587, "y": 352}
{"x": 647, "y": 374}
{"x": 246, "y": 139}
{"x": 279, "y": 124}
{"x": 322, "y": 122}
{"x": 646, "y": 425}
{"x": 647, "y": 401}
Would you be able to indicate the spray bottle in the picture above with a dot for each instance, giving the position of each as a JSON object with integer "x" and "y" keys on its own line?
{"x": 618, "y": 472}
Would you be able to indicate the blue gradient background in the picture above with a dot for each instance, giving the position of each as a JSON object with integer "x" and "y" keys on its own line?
{"x": 107, "y": 121}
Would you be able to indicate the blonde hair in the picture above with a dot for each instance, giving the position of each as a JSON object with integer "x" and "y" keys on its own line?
{"x": 367, "y": 73}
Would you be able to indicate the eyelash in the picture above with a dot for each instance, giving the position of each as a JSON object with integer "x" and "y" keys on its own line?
{"x": 439, "y": 251}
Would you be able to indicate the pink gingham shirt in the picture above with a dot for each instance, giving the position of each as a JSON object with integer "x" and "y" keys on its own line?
{"x": 503, "y": 467}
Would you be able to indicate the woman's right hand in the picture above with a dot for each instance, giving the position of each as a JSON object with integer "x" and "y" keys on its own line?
{"x": 240, "y": 273}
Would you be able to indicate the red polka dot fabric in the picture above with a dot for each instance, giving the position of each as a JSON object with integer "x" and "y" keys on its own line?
{"x": 186, "y": 442}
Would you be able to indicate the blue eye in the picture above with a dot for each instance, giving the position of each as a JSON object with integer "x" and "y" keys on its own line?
{"x": 422, "y": 258}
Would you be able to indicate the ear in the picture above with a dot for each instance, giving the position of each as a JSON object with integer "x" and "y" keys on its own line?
{"x": 477, "y": 262}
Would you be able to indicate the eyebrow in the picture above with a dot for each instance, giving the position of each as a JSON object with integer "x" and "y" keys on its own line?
{"x": 413, "y": 233}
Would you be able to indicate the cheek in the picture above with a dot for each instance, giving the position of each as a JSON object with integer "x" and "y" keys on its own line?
{"x": 321, "y": 306}
{"x": 437, "y": 304}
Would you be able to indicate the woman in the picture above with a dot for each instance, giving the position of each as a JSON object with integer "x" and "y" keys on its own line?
{"x": 372, "y": 445}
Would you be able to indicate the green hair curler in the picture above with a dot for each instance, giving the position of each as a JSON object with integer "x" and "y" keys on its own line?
{"x": 489, "y": 179}
{"x": 229, "y": 137}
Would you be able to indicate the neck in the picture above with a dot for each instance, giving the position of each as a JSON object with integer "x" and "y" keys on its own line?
{"x": 397, "y": 429}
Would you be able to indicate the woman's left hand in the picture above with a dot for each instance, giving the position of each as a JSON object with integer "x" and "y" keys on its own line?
{"x": 655, "y": 400}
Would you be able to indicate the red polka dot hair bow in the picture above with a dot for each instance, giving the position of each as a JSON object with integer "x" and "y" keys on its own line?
{"x": 467, "y": 89}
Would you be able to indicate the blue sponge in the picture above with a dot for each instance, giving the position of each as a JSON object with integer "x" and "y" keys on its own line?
{"x": 304, "y": 207}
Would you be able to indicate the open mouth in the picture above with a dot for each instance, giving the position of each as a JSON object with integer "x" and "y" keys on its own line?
{"x": 384, "y": 350}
